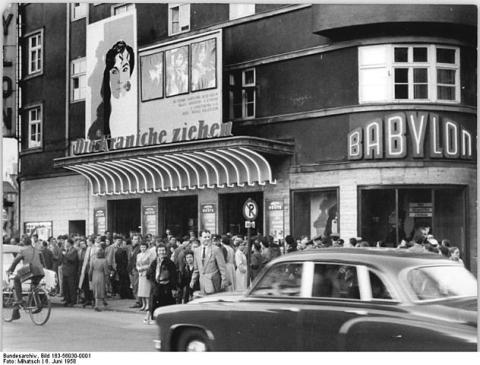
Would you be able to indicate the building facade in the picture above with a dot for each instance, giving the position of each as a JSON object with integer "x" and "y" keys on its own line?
{"x": 351, "y": 119}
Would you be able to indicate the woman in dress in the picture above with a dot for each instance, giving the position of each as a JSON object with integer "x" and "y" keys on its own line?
{"x": 98, "y": 272}
{"x": 229, "y": 264}
{"x": 144, "y": 286}
{"x": 241, "y": 281}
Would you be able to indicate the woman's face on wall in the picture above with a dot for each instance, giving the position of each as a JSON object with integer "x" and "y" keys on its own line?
{"x": 120, "y": 75}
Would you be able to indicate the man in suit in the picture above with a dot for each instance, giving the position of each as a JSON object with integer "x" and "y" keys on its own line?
{"x": 70, "y": 270}
{"x": 132, "y": 268}
{"x": 209, "y": 266}
{"x": 30, "y": 256}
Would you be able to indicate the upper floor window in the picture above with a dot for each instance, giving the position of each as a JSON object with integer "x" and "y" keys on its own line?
{"x": 78, "y": 10}
{"x": 35, "y": 56}
{"x": 241, "y": 10}
{"x": 178, "y": 18}
{"x": 78, "y": 79}
{"x": 34, "y": 127}
{"x": 122, "y": 8}
{"x": 420, "y": 73}
{"x": 242, "y": 94}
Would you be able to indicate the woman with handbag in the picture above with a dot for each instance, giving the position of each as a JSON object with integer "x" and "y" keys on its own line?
{"x": 98, "y": 273}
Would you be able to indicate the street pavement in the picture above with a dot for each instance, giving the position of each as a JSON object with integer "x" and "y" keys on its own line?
{"x": 118, "y": 328}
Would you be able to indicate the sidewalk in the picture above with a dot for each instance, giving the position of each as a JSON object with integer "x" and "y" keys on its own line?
{"x": 114, "y": 304}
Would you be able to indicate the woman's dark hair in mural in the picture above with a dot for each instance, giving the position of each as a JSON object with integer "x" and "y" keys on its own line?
{"x": 102, "y": 123}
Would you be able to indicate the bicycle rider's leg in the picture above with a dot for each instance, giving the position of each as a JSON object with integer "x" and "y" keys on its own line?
{"x": 17, "y": 283}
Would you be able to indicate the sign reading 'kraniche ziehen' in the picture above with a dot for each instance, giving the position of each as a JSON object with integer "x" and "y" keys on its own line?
{"x": 390, "y": 138}
{"x": 193, "y": 132}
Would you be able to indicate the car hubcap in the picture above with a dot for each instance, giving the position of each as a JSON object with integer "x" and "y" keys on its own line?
{"x": 196, "y": 346}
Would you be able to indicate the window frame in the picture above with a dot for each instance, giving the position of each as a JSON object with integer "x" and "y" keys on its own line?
{"x": 73, "y": 17}
{"x": 77, "y": 75}
{"x": 28, "y": 37}
{"x": 244, "y": 86}
{"x": 115, "y": 7}
{"x": 186, "y": 10}
{"x": 431, "y": 65}
{"x": 30, "y": 123}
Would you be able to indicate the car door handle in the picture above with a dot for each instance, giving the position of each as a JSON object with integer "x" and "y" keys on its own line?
{"x": 290, "y": 309}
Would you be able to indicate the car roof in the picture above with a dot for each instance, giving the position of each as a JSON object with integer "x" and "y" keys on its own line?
{"x": 388, "y": 258}
{"x": 11, "y": 248}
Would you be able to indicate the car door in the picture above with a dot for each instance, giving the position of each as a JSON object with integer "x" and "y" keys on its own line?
{"x": 335, "y": 299}
{"x": 267, "y": 319}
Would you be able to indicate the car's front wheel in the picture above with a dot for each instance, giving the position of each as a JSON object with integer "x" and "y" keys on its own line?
{"x": 193, "y": 340}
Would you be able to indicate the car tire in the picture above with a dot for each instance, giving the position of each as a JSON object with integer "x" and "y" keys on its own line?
{"x": 193, "y": 340}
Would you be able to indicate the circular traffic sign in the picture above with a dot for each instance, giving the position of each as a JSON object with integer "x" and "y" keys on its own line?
{"x": 250, "y": 210}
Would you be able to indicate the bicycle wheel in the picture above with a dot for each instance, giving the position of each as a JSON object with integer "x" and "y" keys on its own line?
{"x": 8, "y": 304}
{"x": 39, "y": 306}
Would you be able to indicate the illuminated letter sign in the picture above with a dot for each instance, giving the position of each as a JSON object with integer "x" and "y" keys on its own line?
{"x": 417, "y": 124}
{"x": 373, "y": 140}
{"x": 450, "y": 139}
{"x": 435, "y": 149}
{"x": 396, "y": 145}
{"x": 355, "y": 148}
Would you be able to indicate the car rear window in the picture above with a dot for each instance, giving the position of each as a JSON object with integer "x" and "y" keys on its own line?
{"x": 440, "y": 282}
{"x": 281, "y": 280}
{"x": 335, "y": 281}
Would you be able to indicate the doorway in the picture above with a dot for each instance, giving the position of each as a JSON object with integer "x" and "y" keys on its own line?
{"x": 76, "y": 228}
{"x": 124, "y": 216}
{"x": 231, "y": 216}
{"x": 179, "y": 214}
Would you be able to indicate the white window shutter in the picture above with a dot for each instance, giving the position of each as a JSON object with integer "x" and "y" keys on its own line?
{"x": 373, "y": 74}
{"x": 184, "y": 17}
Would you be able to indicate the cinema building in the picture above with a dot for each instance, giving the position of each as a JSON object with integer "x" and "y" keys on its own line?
{"x": 350, "y": 119}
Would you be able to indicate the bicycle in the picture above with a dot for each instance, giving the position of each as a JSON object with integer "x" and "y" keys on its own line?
{"x": 37, "y": 305}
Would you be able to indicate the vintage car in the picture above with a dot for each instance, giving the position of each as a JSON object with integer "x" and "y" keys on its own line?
{"x": 49, "y": 281}
{"x": 335, "y": 299}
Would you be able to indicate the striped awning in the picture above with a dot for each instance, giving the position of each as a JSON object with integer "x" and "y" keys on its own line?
{"x": 221, "y": 163}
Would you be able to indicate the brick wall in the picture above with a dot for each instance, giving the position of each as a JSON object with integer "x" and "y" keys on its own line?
{"x": 58, "y": 199}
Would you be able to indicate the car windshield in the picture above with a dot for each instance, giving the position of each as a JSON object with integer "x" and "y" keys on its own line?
{"x": 440, "y": 282}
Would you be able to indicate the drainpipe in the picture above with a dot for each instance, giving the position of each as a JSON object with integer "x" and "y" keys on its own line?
{"x": 67, "y": 80}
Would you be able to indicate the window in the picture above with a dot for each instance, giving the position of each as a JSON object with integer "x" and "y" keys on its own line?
{"x": 281, "y": 280}
{"x": 123, "y": 8}
{"x": 406, "y": 73}
{"x": 379, "y": 290}
{"x": 241, "y": 10}
{"x": 242, "y": 94}
{"x": 35, "y": 127}
{"x": 78, "y": 10}
{"x": 335, "y": 281}
{"x": 178, "y": 18}
{"x": 440, "y": 282}
{"x": 390, "y": 214}
{"x": 35, "y": 56}
{"x": 78, "y": 79}
{"x": 316, "y": 213}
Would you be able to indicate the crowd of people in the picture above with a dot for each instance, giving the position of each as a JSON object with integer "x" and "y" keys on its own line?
{"x": 163, "y": 270}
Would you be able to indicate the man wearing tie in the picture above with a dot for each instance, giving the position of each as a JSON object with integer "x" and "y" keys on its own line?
{"x": 209, "y": 266}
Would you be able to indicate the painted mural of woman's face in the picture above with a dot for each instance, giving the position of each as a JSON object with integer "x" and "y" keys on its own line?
{"x": 120, "y": 75}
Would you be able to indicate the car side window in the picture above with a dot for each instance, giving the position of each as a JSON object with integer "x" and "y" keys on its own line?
{"x": 283, "y": 279}
{"x": 379, "y": 290}
{"x": 335, "y": 281}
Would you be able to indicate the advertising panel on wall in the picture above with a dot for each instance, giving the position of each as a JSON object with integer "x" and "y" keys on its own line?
{"x": 9, "y": 67}
{"x": 182, "y": 79}
{"x": 100, "y": 221}
{"x": 208, "y": 217}
{"x": 111, "y": 97}
{"x": 323, "y": 213}
{"x": 150, "y": 220}
{"x": 275, "y": 219}
{"x": 42, "y": 229}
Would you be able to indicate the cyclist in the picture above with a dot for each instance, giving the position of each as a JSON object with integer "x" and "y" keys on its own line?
{"x": 29, "y": 255}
